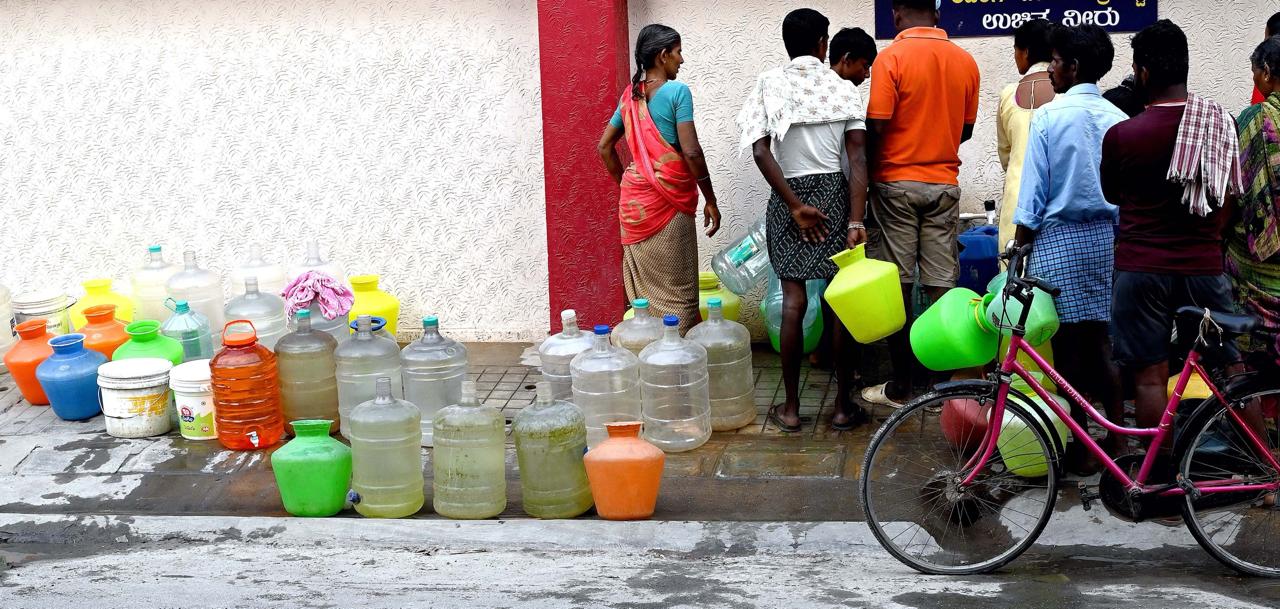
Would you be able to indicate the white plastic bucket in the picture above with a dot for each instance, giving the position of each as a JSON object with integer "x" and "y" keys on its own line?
{"x": 193, "y": 397}
{"x": 135, "y": 397}
{"x": 49, "y": 305}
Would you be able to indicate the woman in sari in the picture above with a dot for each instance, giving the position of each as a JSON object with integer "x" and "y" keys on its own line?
{"x": 659, "y": 194}
{"x": 1253, "y": 237}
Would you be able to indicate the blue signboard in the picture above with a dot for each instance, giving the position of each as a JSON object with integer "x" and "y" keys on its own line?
{"x": 1002, "y": 17}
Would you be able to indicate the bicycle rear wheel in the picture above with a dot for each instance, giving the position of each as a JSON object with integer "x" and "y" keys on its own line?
{"x": 916, "y": 507}
{"x": 1240, "y": 529}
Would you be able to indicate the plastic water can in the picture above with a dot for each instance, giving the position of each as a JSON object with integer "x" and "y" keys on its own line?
{"x": 265, "y": 310}
{"x": 1017, "y": 444}
{"x": 360, "y": 361}
{"x": 433, "y": 368}
{"x": 336, "y": 327}
{"x": 814, "y": 322}
{"x": 1003, "y": 313}
{"x": 636, "y": 333}
{"x": 469, "y": 459}
{"x": 373, "y": 302}
{"x": 308, "y": 374}
{"x": 202, "y": 289}
{"x": 246, "y": 391}
{"x": 192, "y": 387}
{"x": 271, "y": 277}
{"x": 625, "y": 473}
{"x": 190, "y": 329}
{"x": 709, "y": 287}
{"x": 557, "y": 352}
{"x": 674, "y": 391}
{"x": 606, "y": 385}
{"x": 730, "y": 381}
{"x": 313, "y": 261}
{"x": 551, "y": 438}
{"x": 866, "y": 295}
{"x": 979, "y": 257}
{"x": 313, "y": 471}
{"x": 27, "y": 355}
{"x": 745, "y": 262}
{"x": 103, "y": 332}
{"x": 136, "y": 398}
{"x": 98, "y": 292}
{"x": 70, "y": 378}
{"x": 952, "y": 333}
{"x": 386, "y": 456}
{"x": 149, "y": 286}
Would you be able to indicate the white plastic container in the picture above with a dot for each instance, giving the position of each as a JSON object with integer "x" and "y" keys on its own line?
{"x": 674, "y": 391}
{"x": 149, "y": 291}
{"x": 135, "y": 397}
{"x": 315, "y": 262}
{"x": 202, "y": 289}
{"x": 193, "y": 399}
{"x": 730, "y": 378}
{"x": 606, "y": 385}
{"x": 636, "y": 333}
{"x": 271, "y": 277}
{"x": 745, "y": 262}
{"x": 50, "y": 305}
{"x": 433, "y": 369}
{"x": 264, "y": 309}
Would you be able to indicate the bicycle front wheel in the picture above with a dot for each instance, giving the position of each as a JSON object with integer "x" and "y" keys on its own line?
{"x": 1240, "y": 529}
{"x": 916, "y": 506}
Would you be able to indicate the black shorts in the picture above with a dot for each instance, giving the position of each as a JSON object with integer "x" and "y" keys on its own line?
{"x": 1143, "y": 306}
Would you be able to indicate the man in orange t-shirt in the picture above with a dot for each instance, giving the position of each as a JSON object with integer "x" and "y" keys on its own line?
{"x": 924, "y": 101}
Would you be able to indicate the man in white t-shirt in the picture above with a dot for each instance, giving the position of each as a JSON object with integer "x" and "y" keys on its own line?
{"x": 801, "y": 120}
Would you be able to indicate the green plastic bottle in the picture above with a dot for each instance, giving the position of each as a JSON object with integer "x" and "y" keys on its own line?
{"x": 145, "y": 340}
{"x": 313, "y": 471}
{"x": 469, "y": 459}
{"x": 551, "y": 438}
{"x": 386, "y": 455}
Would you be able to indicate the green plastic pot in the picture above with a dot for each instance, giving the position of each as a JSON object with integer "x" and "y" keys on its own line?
{"x": 313, "y": 471}
{"x": 952, "y": 334}
{"x": 145, "y": 340}
{"x": 1042, "y": 322}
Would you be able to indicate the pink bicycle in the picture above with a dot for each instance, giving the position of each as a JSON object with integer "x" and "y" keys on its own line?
{"x": 954, "y": 503}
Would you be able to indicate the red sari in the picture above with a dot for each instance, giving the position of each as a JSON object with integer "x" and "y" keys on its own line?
{"x": 658, "y": 184}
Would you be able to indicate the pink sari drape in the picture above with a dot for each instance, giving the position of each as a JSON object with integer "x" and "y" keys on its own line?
{"x": 658, "y": 184}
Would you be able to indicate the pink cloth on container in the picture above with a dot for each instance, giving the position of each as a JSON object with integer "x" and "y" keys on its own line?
{"x": 333, "y": 296}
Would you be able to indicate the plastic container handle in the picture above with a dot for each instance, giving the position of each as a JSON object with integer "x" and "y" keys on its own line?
{"x": 238, "y": 321}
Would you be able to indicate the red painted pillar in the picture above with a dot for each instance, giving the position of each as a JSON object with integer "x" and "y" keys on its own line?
{"x": 583, "y": 55}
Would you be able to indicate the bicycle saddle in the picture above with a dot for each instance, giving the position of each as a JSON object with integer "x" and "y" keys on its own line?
{"x": 1231, "y": 324}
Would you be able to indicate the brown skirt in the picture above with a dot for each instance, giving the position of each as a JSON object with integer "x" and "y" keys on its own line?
{"x": 664, "y": 270}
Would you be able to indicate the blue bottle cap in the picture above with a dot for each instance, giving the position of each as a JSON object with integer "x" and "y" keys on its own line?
{"x": 714, "y": 302}
{"x": 303, "y": 314}
{"x": 670, "y": 320}
{"x": 640, "y": 303}
{"x": 155, "y": 249}
{"x": 602, "y": 330}
{"x": 430, "y": 321}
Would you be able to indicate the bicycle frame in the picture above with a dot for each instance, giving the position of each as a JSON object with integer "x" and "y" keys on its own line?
{"x": 1158, "y": 435}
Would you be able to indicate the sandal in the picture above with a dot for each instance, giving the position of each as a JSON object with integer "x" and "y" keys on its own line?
{"x": 857, "y": 419}
{"x": 878, "y": 395}
{"x": 777, "y": 420}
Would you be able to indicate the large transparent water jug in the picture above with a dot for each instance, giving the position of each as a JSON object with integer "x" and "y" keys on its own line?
{"x": 730, "y": 382}
{"x": 386, "y": 460}
{"x": 558, "y": 350}
{"x": 313, "y": 261}
{"x": 308, "y": 374}
{"x": 636, "y": 333}
{"x": 266, "y": 311}
{"x": 812, "y": 323}
{"x": 434, "y": 368}
{"x": 202, "y": 289}
{"x": 745, "y": 262}
{"x": 361, "y": 361}
{"x": 271, "y": 276}
{"x": 551, "y": 437}
{"x": 150, "y": 286}
{"x": 673, "y": 388}
{"x": 336, "y": 327}
{"x": 469, "y": 459}
{"x": 190, "y": 329}
{"x": 606, "y": 385}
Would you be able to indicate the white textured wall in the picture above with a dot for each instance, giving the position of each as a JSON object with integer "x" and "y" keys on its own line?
{"x": 728, "y": 42}
{"x": 407, "y": 135}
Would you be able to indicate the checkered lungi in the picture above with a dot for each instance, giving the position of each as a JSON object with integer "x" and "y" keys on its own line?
{"x": 1079, "y": 259}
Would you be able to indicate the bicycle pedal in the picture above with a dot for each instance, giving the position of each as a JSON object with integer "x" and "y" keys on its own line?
{"x": 1188, "y": 488}
{"x": 1088, "y": 495}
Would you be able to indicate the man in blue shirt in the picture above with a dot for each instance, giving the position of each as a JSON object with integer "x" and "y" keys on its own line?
{"x": 1061, "y": 209}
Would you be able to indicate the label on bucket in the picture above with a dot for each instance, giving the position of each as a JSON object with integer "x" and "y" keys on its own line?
{"x": 195, "y": 417}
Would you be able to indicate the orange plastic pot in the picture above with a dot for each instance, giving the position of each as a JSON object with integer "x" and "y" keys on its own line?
{"x": 624, "y": 473}
{"x": 22, "y": 360}
{"x": 964, "y": 423}
{"x": 104, "y": 333}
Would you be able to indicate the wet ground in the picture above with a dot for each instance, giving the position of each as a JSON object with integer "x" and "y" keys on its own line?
{"x": 753, "y": 518}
